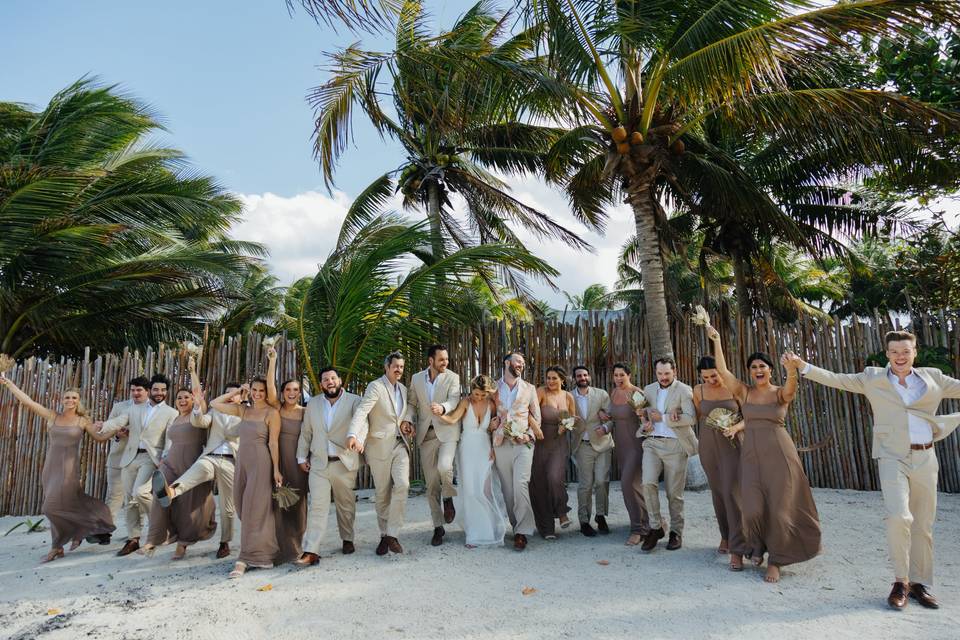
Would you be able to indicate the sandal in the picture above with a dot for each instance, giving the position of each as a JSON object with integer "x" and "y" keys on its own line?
{"x": 736, "y": 563}
{"x": 634, "y": 540}
{"x": 75, "y": 544}
{"x": 180, "y": 552}
{"x": 724, "y": 547}
{"x": 239, "y": 569}
{"x": 53, "y": 555}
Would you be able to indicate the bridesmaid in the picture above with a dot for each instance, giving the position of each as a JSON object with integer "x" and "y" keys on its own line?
{"x": 720, "y": 456}
{"x": 73, "y": 515}
{"x": 629, "y": 453}
{"x": 189, "y": 519}
{"x": 779, "y": 516}
{"x": 292, "y": 522}
{"x": 257, "y": 473}
{"x": 548, "y": 490}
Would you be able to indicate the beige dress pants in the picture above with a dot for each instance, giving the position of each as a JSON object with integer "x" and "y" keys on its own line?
{"x": 909, "y": 487}
{"x": 205, "y": 469}
{"x": 391, "y": 479}
{"x": 593, "y": 475}
{"x": 664, "y": 454}
{"x": 514, "y": 463}
{"x": 114, "y": 497}
{"x": 135, "y": 478}
{"x": 335, "y": 478}
{"x": 437, "y": 458}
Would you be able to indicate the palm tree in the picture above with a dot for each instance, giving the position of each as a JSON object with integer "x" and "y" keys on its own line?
{"x": 259, "y": 308}
{"x": 594, "y": 297}
{"x": 380, "y": 292}
{"x": 107, "y": 240}
{"x": 647, "y": 77}
{"x": 369, "y": 15}
{"x": 456, "y": 119}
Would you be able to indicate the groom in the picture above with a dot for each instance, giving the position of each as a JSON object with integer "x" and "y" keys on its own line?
{"x": 517, "y": 402}
{"x": 905, "y": 426}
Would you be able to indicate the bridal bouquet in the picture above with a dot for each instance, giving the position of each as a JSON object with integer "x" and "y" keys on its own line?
{"x": 286, "y": 496}
{"x": 721, "y": 419}
{"x": 192, "y": 349}
{"x": 700, "y": 316}
{"x": 269, "y": 341}
{"x": 567, "y": 422}
{"x": 514, "y": 429}
{"x": 638, "y": 401}
{"x": 6, "y": 363}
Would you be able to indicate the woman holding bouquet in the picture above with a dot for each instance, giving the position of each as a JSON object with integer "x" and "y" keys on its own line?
{"x": 779, "y": 516}
{"x": 625, "y": 401}
{"x": 720, "y": 455}
{"x": 291, "y": 522}
{"x": 258, "y": 472}
{"x": 548, "y": 489}
{"x": 73, "y": 515}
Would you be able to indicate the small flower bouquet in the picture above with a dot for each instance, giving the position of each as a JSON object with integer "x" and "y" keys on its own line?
{"x": 6, "y": 363}
{"x": 722, "y": 419}
{"x": 515, "y": 429}
{"x": 567, "y": 422}
{"x": 269, "y": 341}
{"x": 637, "y": 400}
{"x": 700, "y": 316}
{"x": 286, "y": 496}
{"x": 194, "y": 350}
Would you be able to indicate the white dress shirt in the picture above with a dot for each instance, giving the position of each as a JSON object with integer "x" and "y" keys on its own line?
{"x": 329, "y": 410}
{"x": 583, "y": 405}
{"x": 151, "y": 409}
{"x": 429, "y": 384}
{"x": 920, "y": 430}
{"x": 397, "y": 398}
{"x": 660, "y": 428}
{"x": 508, "y": 395}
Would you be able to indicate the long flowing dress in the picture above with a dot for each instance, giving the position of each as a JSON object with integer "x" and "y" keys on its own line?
{"x": 629, "y": 457}
{"x": 72, "y": 514}
{"x": 190, "y": 518}
{"x": 253, "y": 494}
{"x": 721, "y": 461}
{"x": 548, "y": 491}
{"x": 292, "y": 522}
{"x": 779, "y": 515}
{"x": 481, "y": 510}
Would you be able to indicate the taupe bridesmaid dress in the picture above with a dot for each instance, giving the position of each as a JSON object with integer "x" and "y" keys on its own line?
{"x": 253, "y": 494}
{"x": 190, "y": 518}
{"x": 721, "y": 462}
{"x": 548, "y": 491}
{"x": 629, "y": 456}
{"x": 292, "y": 522}
{"x": 72, "y": 514}
{"x": 779, "y": 515}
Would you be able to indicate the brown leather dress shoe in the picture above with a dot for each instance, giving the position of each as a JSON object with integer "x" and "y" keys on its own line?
{"x": 602, "y": 527}
{"x": 223, "y": 551}
{"x": 394, "y": 545}
{"x": 132, "y": 545}
{"x": 675, "y": 541}
{"x": 449, "y": 513}
{"x": 919, "y": 593}
{"x": 898, "y": 596}
{"x": 651, "y": 539}
{"x": 348, "y": 547}
{"x": 383, "y": 547}
{"x": 437, "y": 538}
{"x": 587, "y": 530}
{"x": 307, "y": 559}
{"x": 519, "y": 542}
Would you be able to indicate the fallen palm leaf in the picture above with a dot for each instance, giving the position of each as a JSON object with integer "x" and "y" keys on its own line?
{"x": 528, "y": 591}
{"x": 603, "y": 563}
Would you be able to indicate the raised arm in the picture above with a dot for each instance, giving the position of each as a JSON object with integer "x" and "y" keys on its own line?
{"x": 451, "y": 417}
{"x": 273, "y": 398}
{"x": 789, "y": 389}
{"x": 273, "y": 428}
{"x": 950, "y": 386}
{"x": 221, "y": 404}
{"x": 737, "y": 388}
{"x": 853, "y": 382}
{"x": 27, "y": 401}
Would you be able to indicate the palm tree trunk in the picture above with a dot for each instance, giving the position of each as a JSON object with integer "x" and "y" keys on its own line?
{"x": 744, "y": 308}
{"x": 640, "y": 197}
{"x": 433, "y": 215}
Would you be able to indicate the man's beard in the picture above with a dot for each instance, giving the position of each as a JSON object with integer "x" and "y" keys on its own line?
{"x": 334, "y": 393}
{"x": 516, "y": 372}
{"x": 583, "y": 384}
{"x": 158, "y": 399}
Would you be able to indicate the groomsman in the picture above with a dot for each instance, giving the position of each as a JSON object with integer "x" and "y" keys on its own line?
{"x": 375, "y": 431}
{"x": 217, "y": 462}
{"x": 592, "y": 447}
{"x": 517, "y": 402}
{"x": 668, "y": 442}
{"x": 434, "y": 392}
{"x": 138, "y": 395}
{"x": 147, "y": 429}
{"x": 905, "y": 400}
{"x": 322, "y": 452}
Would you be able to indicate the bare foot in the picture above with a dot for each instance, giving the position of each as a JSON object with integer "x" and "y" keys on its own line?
{"x": 773, "y": 574}
{"x": 147, "y": 550}
{"x": 53, "y": 555}
{"x": 238, "y": 570}
{"x": 634, "y": 539}
{"x": 180, "y": 552}
{"x": 724, "y": 547}
{"x": 75, "y": 544}
{"x": 564, "y": 522}
{"x": 736, "y": 562}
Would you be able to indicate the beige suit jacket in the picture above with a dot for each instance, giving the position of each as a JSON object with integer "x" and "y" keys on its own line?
{"x": 152, "y": 435}
{"x": 222, "y": 428}
{"x": 446, "y": 391}
{"x": 597, "y": 399}
{"x": 117, "y": 445}
{"x": 376, "y": 422}
{"x": 526, "y": 407}
{"x": 315, "y": 433}
{"x": 891, "y": 435}
{"x": 679, "y": 396}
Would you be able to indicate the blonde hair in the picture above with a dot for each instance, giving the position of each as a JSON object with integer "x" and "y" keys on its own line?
{"x": 81, "y": 410}
{"x": 483, "y": 383}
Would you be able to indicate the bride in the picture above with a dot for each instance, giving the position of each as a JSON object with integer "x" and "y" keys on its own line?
{"x": 482, "y": 511}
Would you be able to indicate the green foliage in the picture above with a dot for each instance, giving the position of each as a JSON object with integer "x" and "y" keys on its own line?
{"x": 32, "y": 526}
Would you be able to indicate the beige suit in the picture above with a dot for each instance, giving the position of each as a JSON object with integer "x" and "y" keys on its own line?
{"x": 514, "y": 461}
{"x": 436, "y": 439}
{"x": 908, "y": 477}
{"x": 592, "y": 456}
{"x": 210, "y": 466}
{"x": 376, "y": 425}
{"x": 146, "y": 442}
{"x": 333, "y": 468}
{"x": 114, "y": 498}
{"x": 669, "y": 454}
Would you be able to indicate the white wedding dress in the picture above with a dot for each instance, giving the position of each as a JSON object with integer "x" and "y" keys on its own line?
{"x": 482, "y": 512}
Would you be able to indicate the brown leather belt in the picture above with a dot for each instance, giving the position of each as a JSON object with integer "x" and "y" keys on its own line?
{"x": 921, "y": 447}
{"x": 332, "y": 458}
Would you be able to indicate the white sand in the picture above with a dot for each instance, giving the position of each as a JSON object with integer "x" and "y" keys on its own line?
{"x": 453, "y": 592}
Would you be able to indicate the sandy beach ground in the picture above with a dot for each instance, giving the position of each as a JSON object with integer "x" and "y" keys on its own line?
{"x": 454, "y": 592}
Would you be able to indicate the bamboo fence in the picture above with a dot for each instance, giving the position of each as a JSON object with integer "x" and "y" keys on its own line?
{"x": 832, "y": 428}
